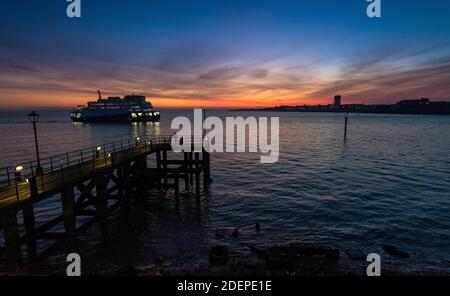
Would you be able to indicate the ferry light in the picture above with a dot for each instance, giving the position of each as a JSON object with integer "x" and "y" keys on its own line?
{"x": 97, "y": 151}
{"x": 108, "y": 155}
{"x": 18, "y": 168}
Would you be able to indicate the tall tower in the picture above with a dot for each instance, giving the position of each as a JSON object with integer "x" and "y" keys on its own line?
{"x": 337, "y": 101}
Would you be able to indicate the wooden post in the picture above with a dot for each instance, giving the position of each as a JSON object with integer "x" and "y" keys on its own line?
{"x": 30, "y": 229}
{"x": 165, "y": 164}
{"x": 186, "y": 171}
{"x": 208, "y": 168}
{"x": 139, "y": 174}
{"x": 120, "y": 183}
{"x": 191, "y": 168}
{"x": 158, "y": 159}
{"x": 101, "y": 203}
{"x": 345, "y": 128}
{"x": 143, "y": 171}
{"x": 158, "y": 162}
{"x": 68, "y": 207}
{"x": 29, "y": 221}
{"x": 205, "y": 169}
{"x": 12, "y": 241}
{"x": 126, "y": 185}
{"x": 197, "y": 175}
{"x": 177, "y": 186}
{"x": 102, "y": 194}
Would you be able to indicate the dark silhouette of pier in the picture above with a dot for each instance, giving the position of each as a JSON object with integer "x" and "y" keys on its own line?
{"x": 89, "y": 182}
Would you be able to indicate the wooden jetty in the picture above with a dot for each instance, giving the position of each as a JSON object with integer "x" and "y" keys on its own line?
{"x": 89, "y": 182}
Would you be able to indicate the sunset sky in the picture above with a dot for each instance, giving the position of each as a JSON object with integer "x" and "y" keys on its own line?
{"x": 230, "y": 53}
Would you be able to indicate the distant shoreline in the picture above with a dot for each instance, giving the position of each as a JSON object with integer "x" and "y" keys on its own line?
{"x": 413, "y": 107}
{"x": 353, "y": 112}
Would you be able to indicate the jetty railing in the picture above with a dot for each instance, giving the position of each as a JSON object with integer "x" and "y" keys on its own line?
{"x": 80, "y": 161}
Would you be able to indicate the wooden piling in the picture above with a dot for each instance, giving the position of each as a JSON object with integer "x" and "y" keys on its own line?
{"x": 140, "y": 175}
{"x": 197, "y": 175}
{"x": 158, "y": 159}
{"x": 206, "y": 170}
{"x": 68, "y": 207}
{"x": 30, "y": 222}
{"x": 30, "y": 230}
{"x": 12, "y": 241}
{"x": 345, "y": 128}
{"x": 191, "y": 170}
{"x": 69, "y": 216}
{"x": 101, "y": 202}
{"x": 164, "y": 152}
{"x": 120, "y": 185}
{"x": 177, "y": 186}
{"x": 186, "y": 171}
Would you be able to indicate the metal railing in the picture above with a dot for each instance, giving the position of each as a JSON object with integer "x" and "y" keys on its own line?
{"x": 27, "y": 175}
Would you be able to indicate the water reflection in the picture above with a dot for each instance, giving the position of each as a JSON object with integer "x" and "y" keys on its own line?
{"x": 387, "y": 184}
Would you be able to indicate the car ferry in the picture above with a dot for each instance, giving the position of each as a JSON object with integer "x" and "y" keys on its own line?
{"x": 131, "y": 108}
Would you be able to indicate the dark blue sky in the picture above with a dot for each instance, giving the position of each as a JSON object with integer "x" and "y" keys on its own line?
{"x": 223, "y": 53}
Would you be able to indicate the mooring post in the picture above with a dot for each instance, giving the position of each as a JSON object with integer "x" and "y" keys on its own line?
{"x": 30, "y": 229}
{"x": 165, "y": 164}
{"x": 68, "y": 207}
{"x": 197, "y": 174}
{"x": 345, "y": 128}
{"x": 177, "y": 186}
{"x": 125, "y": 176}
{"x": 206, "y": 161}
{"x": 208, "y": 167}
{"x": 12, "y": 240}
{"x": 101, "y": 203}
{"x": 158, "y": 163}
{"x": 186, "y": 171}
{"x": 141, "y": 168}
{"x": 122, "y": 195}
{"x": 158, "y": 159}
{"x": 191, "y": 166}
{"x": 30, "y": 222}
{"x": 119, "y": 184}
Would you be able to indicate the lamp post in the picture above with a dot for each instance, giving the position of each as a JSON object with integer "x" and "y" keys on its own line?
{"x": 34, "y": 117}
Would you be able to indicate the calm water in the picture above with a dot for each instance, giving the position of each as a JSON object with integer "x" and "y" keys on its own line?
{"x": 388, "y": 184}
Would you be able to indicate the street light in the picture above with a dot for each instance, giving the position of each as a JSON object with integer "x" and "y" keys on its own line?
{"x": 18, "y": 173}
{"x": 34, "y": 117}
{"x": 97, "y": 151}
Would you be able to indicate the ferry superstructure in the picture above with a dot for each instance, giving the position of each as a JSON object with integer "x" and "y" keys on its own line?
{"x": 131, "y": 108}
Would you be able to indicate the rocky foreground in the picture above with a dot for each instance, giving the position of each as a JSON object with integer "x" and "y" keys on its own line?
{"x": 293, "y": 259}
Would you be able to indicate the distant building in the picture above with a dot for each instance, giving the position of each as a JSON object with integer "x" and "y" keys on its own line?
{"x": 423, "y": 101}
{"x": 337, "y": 101}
